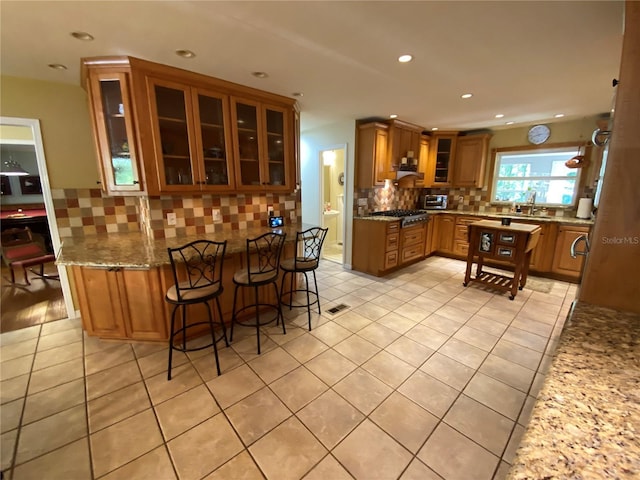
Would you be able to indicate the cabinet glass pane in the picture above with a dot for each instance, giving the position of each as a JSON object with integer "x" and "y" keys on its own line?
{"x": 174, "y": 136}
{"x": 213, "y": 144}
{"x": 275, "y": 146}
{"x": 248, "y": 144}
{"x": 115, "y": 126}
{"x": 443, "y": 156}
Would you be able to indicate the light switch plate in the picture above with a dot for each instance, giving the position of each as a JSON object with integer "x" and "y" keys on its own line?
{"x": 216, "y": 215}
{"x": 171, "y": 219}
{"x": 362, "y": 202}
{"x": 292, "y": 215}
{"x": 270, "y": 210}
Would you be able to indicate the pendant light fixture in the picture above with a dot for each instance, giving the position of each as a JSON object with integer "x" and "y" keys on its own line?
{"x": 578, "y": 161}
{"x": 11, "y": 168}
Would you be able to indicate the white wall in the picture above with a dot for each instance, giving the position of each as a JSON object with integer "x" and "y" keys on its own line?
{"x": 312, "y": 142}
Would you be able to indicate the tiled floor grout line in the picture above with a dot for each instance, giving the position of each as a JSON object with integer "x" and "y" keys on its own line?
{"x": 24, "y": 406}
{"x": 394, "y": 389}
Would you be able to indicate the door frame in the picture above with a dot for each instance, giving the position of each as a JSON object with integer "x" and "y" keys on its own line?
{"x": 37, "y": 143}
{"x": 346, "y": 190}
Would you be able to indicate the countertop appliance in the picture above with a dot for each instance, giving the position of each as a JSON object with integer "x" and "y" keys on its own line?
{"x": 434, "y": 202}
{"x": 407, "y": 217}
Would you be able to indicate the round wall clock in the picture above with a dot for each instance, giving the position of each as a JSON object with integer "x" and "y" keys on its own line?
{"x": 538, "y": 134}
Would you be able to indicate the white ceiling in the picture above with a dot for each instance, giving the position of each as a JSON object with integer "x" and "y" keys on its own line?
{"x": 526, "y": 60}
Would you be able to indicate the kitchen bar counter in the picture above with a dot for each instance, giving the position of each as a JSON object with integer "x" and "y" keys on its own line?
{"x": 136, "y": 250}
{"x": 586, "y": 421}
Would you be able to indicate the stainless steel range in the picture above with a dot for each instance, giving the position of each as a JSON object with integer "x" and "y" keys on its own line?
{"x": 407, "y": 217}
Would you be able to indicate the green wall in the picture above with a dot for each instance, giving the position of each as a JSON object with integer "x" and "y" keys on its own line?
{"x": 64, "y": 121}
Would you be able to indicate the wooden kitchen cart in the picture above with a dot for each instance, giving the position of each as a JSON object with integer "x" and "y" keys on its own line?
{"x": 490, "y": 240}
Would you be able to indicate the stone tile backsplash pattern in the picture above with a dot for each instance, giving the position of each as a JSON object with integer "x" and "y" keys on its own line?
{"x": 82, "y": 212}
{"x": 460, "y": 199}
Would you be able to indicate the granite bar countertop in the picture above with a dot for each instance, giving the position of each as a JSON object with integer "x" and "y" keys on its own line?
{"x": 586, "y": 421}
{"x": 516, "y": 217}
{"x": 137, "y": 250}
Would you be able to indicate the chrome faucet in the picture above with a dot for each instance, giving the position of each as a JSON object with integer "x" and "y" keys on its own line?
{"x": 532, "y": 203}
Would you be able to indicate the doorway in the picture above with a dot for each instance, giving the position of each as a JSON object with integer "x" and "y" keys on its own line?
{"x": 332, "y": 161}
{"x": 45, "y": 299}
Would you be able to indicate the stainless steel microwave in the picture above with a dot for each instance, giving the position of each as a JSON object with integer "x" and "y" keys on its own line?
{"x": 435, "y": 202}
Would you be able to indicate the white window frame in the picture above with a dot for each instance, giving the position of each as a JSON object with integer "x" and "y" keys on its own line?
{"x": 570, "y": 150}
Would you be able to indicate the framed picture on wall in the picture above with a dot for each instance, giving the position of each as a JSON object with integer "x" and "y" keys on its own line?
{"x": 5, "y": 185}
{"x": 30, "y": 185}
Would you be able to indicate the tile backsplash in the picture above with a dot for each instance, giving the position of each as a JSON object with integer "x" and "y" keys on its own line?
{"x": 461, "y": 199}
{"x": 83, "y": 212}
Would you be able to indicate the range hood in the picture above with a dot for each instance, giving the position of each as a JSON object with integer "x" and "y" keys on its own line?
{"x": 407, "y": 178}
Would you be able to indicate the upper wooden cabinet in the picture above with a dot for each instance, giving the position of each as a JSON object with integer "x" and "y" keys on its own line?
{"x": 381, "y": 145}
{"x": 442, "y": 151}
{"x": 191, "y": 128}
{"x": 262, "y": 146}
{"x": 404, "y": 141}
{"x": 188, "y": 133}
{"x": 457, "y": 160}
{"x": 423, "y": 162}
{"x": 371, "y": 157}
{"x": 114, "y": 131}
{"x": 470, "y": 160}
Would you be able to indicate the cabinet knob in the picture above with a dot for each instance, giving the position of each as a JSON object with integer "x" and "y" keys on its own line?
{"x": 98, "y": 182}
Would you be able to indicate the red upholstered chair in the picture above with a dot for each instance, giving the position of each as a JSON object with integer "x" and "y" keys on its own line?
{"x": 21, "y": 250}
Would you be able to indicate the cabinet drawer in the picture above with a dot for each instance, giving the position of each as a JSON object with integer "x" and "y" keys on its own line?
{"x": 393, "y": 227}
{"x": 413, "y": 236}
{"x": 392, "y": 242}
{"x": 461, "y": 233}
{"x": 461, "y": 247}
{"x": 391, "y": 260}
{"x": 409, "y": 253}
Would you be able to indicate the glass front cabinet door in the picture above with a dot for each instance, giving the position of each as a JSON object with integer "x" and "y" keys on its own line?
{"x": 263, "y": 146}
{"x": 112, "y": 109}
{"x": 191, "y": 138}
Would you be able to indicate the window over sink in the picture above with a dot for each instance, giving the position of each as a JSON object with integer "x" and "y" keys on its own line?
{"x": 518, "y": 174}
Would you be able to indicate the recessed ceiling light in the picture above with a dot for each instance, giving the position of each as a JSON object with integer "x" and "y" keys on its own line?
{"x": 559, "y": 115}
{"x": 510, "y": 123}
{"x": 87, "y": 37}
{"x": 185, "y": 53}
{"x": 393, "y": 115}
{"x": 298, "y": 94}
{"x": 57, "y": 66}
{"x": 500, "y": 115}
{"x": 434, "y": 129}
{"x": 260, "y": 74}
{"x": 405, "y": 58}
{"x": 467, "y": 95}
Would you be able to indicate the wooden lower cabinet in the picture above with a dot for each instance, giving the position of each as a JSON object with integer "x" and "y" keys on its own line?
{"x": 551, "y": 257}
{"x": 443, "y": 234}
{"x": 375, "y": 246}
{"x": 412, "y": 242}
{"x": 121, "y": 302}
{"x": 461, "y": 235}
{"x": 128, "y": 303}
{"x": 563, "y": 262}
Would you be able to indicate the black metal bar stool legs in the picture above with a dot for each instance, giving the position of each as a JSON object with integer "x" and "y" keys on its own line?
{"x": 307, "y": 258}
{"x": 263, "y": 261}
{"x": 197, "y": 273}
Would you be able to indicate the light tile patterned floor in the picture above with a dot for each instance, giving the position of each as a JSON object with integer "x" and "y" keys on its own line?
{"x": 419, "y": 378}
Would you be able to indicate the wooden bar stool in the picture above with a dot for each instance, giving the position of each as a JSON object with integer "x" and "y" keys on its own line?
{"x": 197, "y": 275}
{"x": 307, "y": 258}
{"x": 262, "y": 264}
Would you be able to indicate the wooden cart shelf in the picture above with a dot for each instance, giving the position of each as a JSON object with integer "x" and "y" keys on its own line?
{"x": 489, "y": 239}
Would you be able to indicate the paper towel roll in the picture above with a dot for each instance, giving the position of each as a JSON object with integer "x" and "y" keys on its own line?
{"x": 584, "y": 208}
